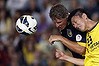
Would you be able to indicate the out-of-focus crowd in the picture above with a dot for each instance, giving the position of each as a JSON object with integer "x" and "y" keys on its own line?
{"x": 34, "y": 50}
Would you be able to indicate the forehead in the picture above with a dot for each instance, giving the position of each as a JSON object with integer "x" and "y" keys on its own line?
{"x": 58, "y": 20}
{"x": 74, "y": 18}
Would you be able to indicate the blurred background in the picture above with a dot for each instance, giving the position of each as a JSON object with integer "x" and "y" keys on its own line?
{"x": 34, "y": 50}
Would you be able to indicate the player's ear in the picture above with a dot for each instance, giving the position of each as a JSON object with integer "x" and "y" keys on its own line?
{"x": 84, "y": 16}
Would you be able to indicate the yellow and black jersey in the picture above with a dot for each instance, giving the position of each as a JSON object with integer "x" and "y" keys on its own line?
{"x": 92, "y": 47}
{"x": 74, "y": 35}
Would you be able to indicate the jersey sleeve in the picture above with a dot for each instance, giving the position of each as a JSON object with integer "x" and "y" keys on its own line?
{"x": 82, "y": 44}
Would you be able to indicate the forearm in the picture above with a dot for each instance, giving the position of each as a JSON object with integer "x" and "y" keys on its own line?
{"x": 74, "y": 60}
{"x": 74, "y": 46}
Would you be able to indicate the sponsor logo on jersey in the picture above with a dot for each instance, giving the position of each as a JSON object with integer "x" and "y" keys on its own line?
{"x": 78, "y": 37}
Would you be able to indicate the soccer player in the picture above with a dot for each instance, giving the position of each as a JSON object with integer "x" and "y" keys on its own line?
{"x": 59, "y": 15}
{"x": 82, "y": 22}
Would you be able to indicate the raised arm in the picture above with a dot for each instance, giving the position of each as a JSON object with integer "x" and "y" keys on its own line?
{"x": 74, "y": 46}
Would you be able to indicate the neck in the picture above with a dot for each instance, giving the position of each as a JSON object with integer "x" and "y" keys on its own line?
{"x": 90, "y": 24}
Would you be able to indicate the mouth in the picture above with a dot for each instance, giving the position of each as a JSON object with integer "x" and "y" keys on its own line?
{"x": 78, "y": 28}
{"x": 60, "y": 28}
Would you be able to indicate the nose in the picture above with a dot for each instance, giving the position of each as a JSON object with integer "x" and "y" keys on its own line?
{"x": 57, "y": 25}
{"x": 75, "y": 25}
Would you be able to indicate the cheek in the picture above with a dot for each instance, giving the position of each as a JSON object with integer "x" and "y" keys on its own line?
{"x": 64, "y": 23}
{"x": 81, "y": 22}
{"x": 56, "y": 25}
{"x": 83, "y": 25}
{"x": 61, "y": 24}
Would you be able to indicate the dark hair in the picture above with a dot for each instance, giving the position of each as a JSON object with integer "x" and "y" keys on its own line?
{"x": 78, "y": 12}
{"x": 58, "y": 11}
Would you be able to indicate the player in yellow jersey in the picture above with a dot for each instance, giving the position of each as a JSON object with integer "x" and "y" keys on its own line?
{"x": 82, "y": 22}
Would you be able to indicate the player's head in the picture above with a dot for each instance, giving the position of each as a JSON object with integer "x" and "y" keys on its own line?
{"x": 79, "y": 18}
{"x": 59, "y": 15}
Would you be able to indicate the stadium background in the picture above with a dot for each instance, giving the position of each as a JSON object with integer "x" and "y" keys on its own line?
{"x": 34, "y": 50}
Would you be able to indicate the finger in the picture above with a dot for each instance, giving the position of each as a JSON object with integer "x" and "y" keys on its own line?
{"x": 57, "y": 55}
{"x": 50, "y": 39}
{"x": 58, "y": 50}
{"x": 61, "y": 58}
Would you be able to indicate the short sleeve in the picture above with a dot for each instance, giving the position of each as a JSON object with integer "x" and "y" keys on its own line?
{"x": 82, "y": 44}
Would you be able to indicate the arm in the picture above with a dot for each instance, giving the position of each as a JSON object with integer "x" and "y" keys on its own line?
{"x": 74, "y": 46}
{"x": 60, "y": 55}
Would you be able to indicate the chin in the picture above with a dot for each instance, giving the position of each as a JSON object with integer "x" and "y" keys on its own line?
{"x": 82, "y": 30}
{"x": 61, "y": 29}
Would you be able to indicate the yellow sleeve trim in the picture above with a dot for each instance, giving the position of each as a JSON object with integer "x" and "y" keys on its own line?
{"x": 82, "y": 44}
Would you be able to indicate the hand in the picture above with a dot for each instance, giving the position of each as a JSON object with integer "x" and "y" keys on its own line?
{"x": 55, "y": 38}
{"x": 60, "y": 55}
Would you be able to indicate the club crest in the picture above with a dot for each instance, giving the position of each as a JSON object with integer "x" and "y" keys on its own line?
{"x": 69, "y": 33}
